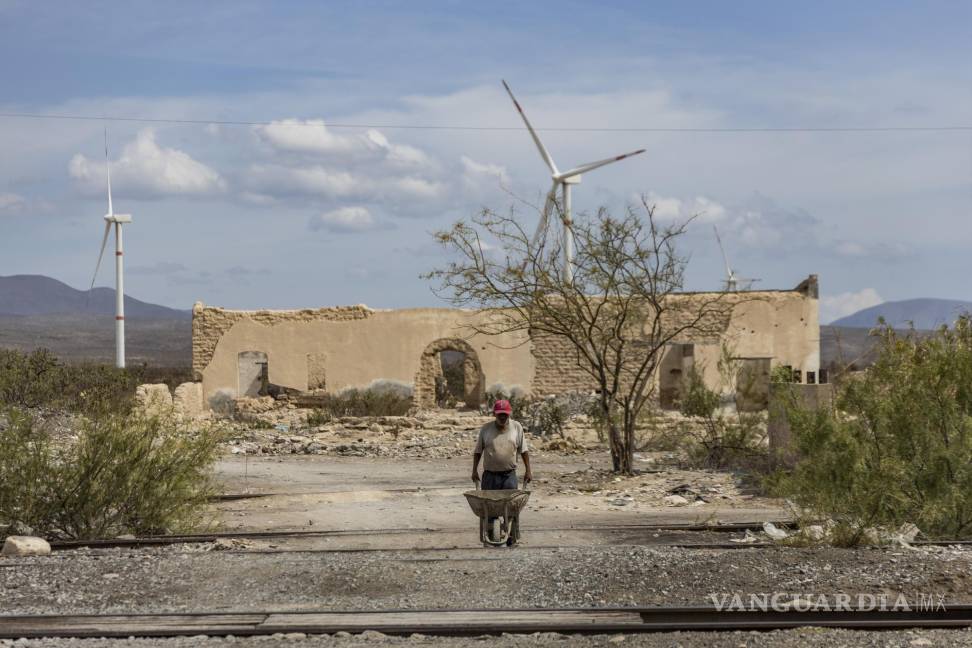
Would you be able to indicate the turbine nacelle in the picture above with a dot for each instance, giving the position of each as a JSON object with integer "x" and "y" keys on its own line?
{"x": 118, "y": 218}
{"x": 561, "y": 181}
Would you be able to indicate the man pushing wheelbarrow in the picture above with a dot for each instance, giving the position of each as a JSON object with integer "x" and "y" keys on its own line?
{"x": 498, "y": 444}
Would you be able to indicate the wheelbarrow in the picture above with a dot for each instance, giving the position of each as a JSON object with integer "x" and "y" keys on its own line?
{"x": 504, "y": 507}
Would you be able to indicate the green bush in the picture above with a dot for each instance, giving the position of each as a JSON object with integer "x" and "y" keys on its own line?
{"x": 39, "y": 379}
{"x": 30, "y": 379}
{"x": 550, "y": 416}
{"x": 381, "y": 398}
{"x": 124, "y": 474}
{"x": 897, "y": 448}
{"x": 319, "y": 417}
{"x": 519, "y": 401}
{"x": 714, "y": 438}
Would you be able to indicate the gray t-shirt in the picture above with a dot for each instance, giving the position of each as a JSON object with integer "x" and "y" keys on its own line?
{"x": 500, "y": 447}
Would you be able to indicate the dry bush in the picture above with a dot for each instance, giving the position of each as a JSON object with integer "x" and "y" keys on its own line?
{"x": 897, "y": 448}
{"x": 39, "y": 379}
{"x": 381, "y": 398}
{"x": 124, "y": 474}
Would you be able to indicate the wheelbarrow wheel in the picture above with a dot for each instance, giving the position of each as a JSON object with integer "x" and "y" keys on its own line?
{"x": 495, "y": 530}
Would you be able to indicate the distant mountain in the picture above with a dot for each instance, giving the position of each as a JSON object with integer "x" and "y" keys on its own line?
{"x": 39, "y": 295}
{"x": 925, "y": 313}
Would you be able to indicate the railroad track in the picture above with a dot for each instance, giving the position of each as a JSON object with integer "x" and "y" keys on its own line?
{"x": 256, "y": 535}
{"x": 475, "y": 622}
{"x": 349, "y": 533}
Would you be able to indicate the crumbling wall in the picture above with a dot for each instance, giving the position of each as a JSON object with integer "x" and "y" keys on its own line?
{"x": 316, "y": 371}
{"x": 153, "y": 399}
{"x": 558, "y": 367}
{"x": 354, "y": 346}
{"x": 210, "y": 323}
{"x": 351, "y": 347}
{"x": 430, "y": 368}
{"x": 778, "y": 324}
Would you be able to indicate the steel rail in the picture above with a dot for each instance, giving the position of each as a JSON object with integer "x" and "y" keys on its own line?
{"x": 212, "y": 537}
{"x": 466, "y": 622}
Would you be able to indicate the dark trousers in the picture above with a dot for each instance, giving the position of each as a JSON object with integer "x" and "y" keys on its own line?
{"x": 499, "y": 480}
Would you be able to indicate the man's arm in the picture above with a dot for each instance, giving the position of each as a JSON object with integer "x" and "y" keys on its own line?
{"x": 528, "y": 476}
{"x": 475, "y": 473}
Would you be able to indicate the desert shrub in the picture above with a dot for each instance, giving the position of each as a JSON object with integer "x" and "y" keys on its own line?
{"x": 714, "y": 436}
{"x": 319, "y": 417}
{"x": 897, "y": 448}
{"x": 39, "y": 379}
{"x": 29, "y": 379}
{"x": 124, "y": 474}
{"x": 519, "y": 401}
{"x": 380, "y": 398}
{"x": 550, "y": 416}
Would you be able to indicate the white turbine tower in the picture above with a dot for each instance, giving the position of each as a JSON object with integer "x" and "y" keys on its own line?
{"x": 111, "y": 218}
{"x": 731, "y": 281}
{"x": 562, "y": 180}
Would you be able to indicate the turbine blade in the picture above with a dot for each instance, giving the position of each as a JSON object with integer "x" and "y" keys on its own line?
{"x": 548, "y": 204}
{"x": 104, "y": 242}
{"x": 108, "y": 173}
{"x": 590, "y": 166}
{"x": 536, "y": 139}
{"x": 723, "y": 250}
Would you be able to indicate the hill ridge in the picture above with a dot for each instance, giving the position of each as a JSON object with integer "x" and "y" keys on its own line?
{"x": 31, "y": 294}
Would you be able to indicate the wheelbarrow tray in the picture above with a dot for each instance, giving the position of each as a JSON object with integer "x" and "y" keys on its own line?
{"x": 497, "y": 503}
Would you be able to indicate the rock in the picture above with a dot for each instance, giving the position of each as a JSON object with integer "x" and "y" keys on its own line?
{"x": 373, "y": 635}
{"x": 153, "y": 399}
{"x": 815, "y": 532}
{"x": 25, "y": 546}
{"x": 188, "y": 400}
{"x": 675, "y": 500}
{"x": 906, "y": 533}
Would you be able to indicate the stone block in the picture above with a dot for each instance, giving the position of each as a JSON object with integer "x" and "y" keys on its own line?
{"x": 153, "y": 399}
{"x": 25, "y": 546}
{"x": 188, "y": 400}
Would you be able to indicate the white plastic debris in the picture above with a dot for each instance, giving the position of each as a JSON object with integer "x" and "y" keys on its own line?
{"x": 774, "y": 532}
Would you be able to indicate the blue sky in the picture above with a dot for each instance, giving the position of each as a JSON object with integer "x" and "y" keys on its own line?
{"x": 303, "y": 213}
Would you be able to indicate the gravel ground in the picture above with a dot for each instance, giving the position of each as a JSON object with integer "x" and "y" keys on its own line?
{"x": 809, "y": 637}
{"x": 194, "y": 578}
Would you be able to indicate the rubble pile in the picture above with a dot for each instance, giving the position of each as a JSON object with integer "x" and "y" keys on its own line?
{"x": 264, "y": 426}
{"x": 653, "y": 488}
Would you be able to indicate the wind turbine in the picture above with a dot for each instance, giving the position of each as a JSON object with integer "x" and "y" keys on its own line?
{"x": 732, "y": 281}
{"x": 111, "y": 218}
{"x": 562, "y": 180}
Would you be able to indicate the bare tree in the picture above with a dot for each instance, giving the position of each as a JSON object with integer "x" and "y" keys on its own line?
{"x": 616, "y": 315}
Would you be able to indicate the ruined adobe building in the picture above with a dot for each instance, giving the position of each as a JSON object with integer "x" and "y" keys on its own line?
{"x": 353, "y": 346}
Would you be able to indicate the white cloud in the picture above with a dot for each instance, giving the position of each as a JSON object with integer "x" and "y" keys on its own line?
{"x": 416, "y": 187}
{"x": 343, "y": 220}
{"x": 310, "y": 136}
{"x": 313, "y": 137}
{"x": 268, "y": 180}
{"x": 475, "y": 174}
{"x": 11, "y": 201}
{"x": 704, "y": 209}
{"x": 277, "y": 180}
{"x": 146, "y": 169}
{"x": 837, "y": 306}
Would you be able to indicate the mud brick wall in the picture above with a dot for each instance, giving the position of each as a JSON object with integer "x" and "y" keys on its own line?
{"x": 557, "y": 366}
{"x": 209, "y": 324}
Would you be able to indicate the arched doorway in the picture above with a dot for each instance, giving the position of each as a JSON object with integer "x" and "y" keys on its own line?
{"x": 443, "y": 353}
